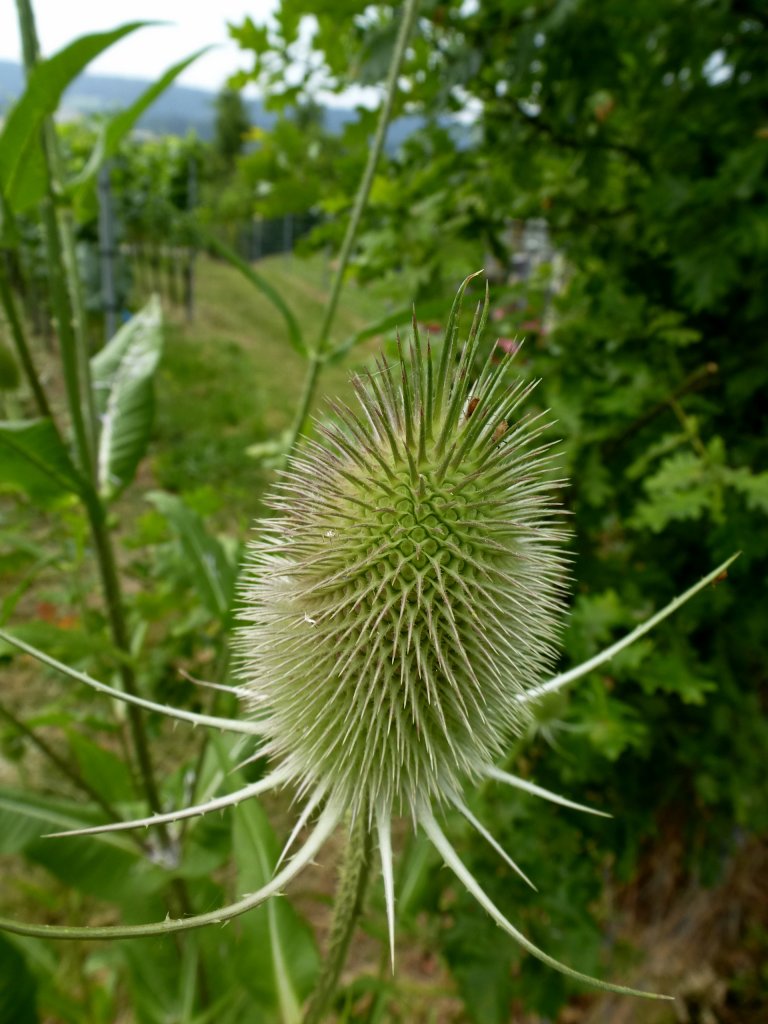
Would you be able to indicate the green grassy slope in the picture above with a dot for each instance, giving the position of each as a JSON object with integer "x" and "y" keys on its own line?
{"x": 230, "y": 379}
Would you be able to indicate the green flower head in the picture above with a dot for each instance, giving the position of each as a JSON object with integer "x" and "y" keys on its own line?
{"x": 402, "y": 606}
{"x": 410, "y": 587}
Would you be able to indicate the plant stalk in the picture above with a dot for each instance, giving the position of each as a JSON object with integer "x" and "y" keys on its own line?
{"x": 74, "y": 777}
{"x": 113, "y": 600}
{"x": 22, "y": 346}
{"x": 410, "y": 8}
{"x": 60, "y": 275}
{"x": 348, "y": 904}
{"x": 65, "y": 288}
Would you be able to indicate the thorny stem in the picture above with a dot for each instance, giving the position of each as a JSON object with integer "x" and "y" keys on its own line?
{"x": 408, "y": 17}
{"x": 67, "y": 340}
{"x": 60, "y": 272}
{"x": 74, "y": 356}
{"x": 350, "y": 893}
{"x": 110, "y": 582}
{"x": 68, "y": 305}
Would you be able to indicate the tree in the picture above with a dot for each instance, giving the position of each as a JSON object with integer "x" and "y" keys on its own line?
{"x": 230, "y": 127}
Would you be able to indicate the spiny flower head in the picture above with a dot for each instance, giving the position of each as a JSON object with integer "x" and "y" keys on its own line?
{"x": 409, "y": 588}
{"x": 402, "y": 604}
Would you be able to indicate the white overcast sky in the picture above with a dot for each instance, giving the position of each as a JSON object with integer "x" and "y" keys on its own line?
{"x": 148, "y": 51}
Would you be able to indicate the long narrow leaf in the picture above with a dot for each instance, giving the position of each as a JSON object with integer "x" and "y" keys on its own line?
{"x": 249, "y": 728}
{"x": 213, "y": 572}
{"x": 22, "y": 165}
{"x": 34, "y": 460}
{"x": 294, "y": 331}
{"x": 122, "y": 378}
{"x": 474, "y": 888}
{"x": 326, "y": 824}
{"x": 557, "y": 682}
{"x": 118, "y": 127}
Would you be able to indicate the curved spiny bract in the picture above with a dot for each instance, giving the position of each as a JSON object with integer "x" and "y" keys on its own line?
{"x": 409, "y": 585}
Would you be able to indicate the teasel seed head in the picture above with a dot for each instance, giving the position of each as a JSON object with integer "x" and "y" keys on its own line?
{"x": 409, "y": 586}
{"x": 402, "y": 606}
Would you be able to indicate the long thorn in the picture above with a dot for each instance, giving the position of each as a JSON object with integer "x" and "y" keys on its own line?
{"x": 454, "y": 862}
{"x": 227, "y": 724}
{"x": 545, "y": 794}
{"x": 217, "y": 804}
{"x": 558, "y": 682}
{"x": 387, "y": 874}
{"x": 327, "y": 822}
{"x": 483, "y": 831}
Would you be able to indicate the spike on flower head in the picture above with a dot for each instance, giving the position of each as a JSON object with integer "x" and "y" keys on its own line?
{"x": 409, "y": 587}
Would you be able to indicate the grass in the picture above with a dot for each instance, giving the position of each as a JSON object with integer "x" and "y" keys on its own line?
{"x": 230, "y": 379}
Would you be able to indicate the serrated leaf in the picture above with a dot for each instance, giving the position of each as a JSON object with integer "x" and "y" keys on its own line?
{"x": 752, "y": 486}
{"x": 213, "y": 572}
{"x": 34, "y": 460}
{"x": 123, "y": 381}
{"x": 22, "y": 162}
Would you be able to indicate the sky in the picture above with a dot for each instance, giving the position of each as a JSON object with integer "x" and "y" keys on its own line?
{"x": 149, "y": 51}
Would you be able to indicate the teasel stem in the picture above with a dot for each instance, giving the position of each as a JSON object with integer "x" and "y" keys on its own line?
{"x": 18, "y": 332}
{"x": 110, "y": 582}
{"x": 65, "y": 284}
{"x": 66, "y": 291}
{"x": 348, "y": 904}
{"x": 408, "y": 16}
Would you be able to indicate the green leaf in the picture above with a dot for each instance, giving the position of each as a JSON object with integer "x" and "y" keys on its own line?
{"x": 212, "y": 571}
{"x": 17, "y": 987}
{"x": 122, "y": 379}
{"x": 22, "y": 162}
{"x": 24, "y": 817}
{"x": 294, "y": 331}
{"x": 103, "y": 770}
{"x": 117, "y": 128}
{"x": 278, "y": 955}
{"x": 33, "y": 460}
{"x": 9, "y": 370}
{"x": 109, "y": 867}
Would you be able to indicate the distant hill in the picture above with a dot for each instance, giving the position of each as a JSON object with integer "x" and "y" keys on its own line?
{"x": 179, "y": 110}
